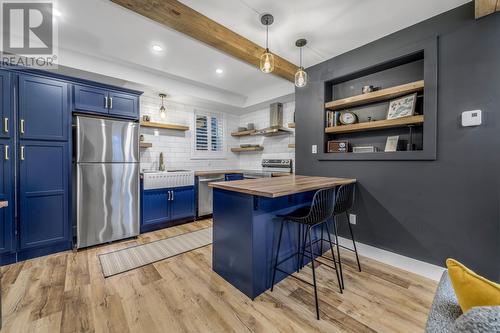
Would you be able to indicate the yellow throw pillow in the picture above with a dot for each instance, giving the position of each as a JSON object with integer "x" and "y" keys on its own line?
{"x": 471, "y": 289}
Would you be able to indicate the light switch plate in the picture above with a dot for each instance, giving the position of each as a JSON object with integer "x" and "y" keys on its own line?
{"x": 314, "y": 149}
{"x": 353, "y": 219}
{"x": 471, "y": 118}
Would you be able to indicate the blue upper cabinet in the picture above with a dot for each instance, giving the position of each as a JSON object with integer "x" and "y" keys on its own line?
{"x": 44, "y": 194}
{"x": 5, "y": 105}
{"x": 97, "y": 100}
{"x": 43, "y": 109}
{"x": 6, "y": 190}
{"x": 90, "y": 99}
{"x": 123, "y": 105}
{"x": 182, "y": 201}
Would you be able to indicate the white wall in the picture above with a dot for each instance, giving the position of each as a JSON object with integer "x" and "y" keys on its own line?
{"x": 274, "y": 147}
{"x": 177, "y": 146}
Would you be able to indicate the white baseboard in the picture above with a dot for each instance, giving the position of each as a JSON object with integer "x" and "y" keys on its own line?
{"x": 408, "y": 264}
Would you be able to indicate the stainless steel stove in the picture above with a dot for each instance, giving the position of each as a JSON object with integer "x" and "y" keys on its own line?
{"x": 269, "y": 167}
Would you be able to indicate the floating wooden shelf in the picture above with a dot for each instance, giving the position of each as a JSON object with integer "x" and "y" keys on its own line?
{"x": 375, "y": 125}
{"x": 376, "y": 96}
{"x": 145, "y": 145}
{"x": 249, "y": 149}
{"x": 243, "y": 133}
{"x": 291, "y": 125}
{"x": 164, "y": 126}
{"x": 291, "y": 146}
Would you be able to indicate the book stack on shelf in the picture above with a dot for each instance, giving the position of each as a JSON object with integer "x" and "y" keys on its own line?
{"x": 332, "y": 118}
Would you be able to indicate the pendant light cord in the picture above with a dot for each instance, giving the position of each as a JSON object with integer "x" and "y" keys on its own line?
{"x": 267, "y": 37}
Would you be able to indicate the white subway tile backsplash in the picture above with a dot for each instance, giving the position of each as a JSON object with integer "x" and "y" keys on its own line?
{"x": 177, "y": 146}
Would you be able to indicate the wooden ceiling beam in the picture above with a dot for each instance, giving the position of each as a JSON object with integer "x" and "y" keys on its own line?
{"x": 486, "y": 7}
{"x": 184, "y": 19}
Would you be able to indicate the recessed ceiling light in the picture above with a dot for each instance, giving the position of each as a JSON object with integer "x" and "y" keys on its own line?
{"x": 157, "y": 48}
{"x": 219, "y": 71}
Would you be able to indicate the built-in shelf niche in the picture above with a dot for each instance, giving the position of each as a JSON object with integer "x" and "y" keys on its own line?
{"x": 411, "y": 70}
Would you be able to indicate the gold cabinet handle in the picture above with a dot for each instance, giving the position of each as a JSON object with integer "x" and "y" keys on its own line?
{"x": 111, "y": 102}
{"x": 22, "y": 126}
{"x": 105, "y": 102}
{"x": 22, "y": 153}
{"x": 6, "y": 125}
{"x": 7, "y": 152}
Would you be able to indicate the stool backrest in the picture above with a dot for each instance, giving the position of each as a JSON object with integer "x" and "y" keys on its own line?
{"x": 322, "y": 206}
{"x": 344, "y": 200}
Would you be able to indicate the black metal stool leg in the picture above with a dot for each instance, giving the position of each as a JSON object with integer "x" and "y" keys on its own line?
{"x": 299, "y": 246}
{"x": 353, "y": 240}
{"x": 338, "y": 250}
{"x": 321, "y": 241}
{"x": 303, "y": 249}
{"x": 314, "y": 272}
{"x": 333, "y": 257}
{"x": 277, "y": 254}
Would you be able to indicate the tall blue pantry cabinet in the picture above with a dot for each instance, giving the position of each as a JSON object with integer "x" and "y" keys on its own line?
{"x": 35, "y": 168}
{"x": 36, "y": 154}
{"x": 7, "y": 155}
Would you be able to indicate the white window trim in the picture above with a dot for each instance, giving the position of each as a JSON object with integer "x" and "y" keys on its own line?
{"x": 209, "y": 155}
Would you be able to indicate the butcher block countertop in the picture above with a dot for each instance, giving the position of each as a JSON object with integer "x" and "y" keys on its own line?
{"x": 281, "y": 186}
{"x": 4, "y": 204}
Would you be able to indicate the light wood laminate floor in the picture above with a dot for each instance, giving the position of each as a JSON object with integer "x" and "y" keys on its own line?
{"x": 68, "y": 293}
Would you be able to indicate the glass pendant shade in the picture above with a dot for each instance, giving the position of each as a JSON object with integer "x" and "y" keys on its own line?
{"x": 163, "y": 110}
{"x": 301, "y": 78}
{"x": 267, "y": 62}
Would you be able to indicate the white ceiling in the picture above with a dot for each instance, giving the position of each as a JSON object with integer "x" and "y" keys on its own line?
{"x": 106, "y": 32}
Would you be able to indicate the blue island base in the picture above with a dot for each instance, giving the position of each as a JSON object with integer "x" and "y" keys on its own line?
{"x": 245, "y": 238}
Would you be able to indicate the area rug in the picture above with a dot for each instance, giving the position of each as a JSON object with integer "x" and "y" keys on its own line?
{"x": 141, "y": 255}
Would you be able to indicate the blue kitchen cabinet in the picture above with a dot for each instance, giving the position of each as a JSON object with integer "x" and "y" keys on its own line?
{"x": 5, "y": 105}
{"x": 233, "y": 176}
{"x": 182, "y": 203}
{"x": 162, "y": 208}
{"x": 6, "y": 192}
{"x": 43, "y": 109}
{"x": 97, "y": 100}
{"x": 90, "y": 99}
{"x": 155, "y": 207}
{"x": 44, "y": 195}
{"x": 123, "y": 105}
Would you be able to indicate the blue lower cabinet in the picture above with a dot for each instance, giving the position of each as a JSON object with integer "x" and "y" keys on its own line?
{"x": 155, "y": 208}
{"x": 44, "y": 223}
{"x": 233, "y": 176}
{"x": 162, "y": 208}
{"x": 182, "y": 203}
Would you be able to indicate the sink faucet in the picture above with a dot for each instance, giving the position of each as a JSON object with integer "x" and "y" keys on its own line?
{"x": 162, "y": 163}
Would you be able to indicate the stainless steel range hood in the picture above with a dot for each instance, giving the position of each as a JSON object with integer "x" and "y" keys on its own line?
{"x": 275, "y": 122}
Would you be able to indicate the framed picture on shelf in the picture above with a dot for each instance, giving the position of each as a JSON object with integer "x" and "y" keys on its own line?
{"x": 402, "y": 107}
{"x": 392, "y": 143}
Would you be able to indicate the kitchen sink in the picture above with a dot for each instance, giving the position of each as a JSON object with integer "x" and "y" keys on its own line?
{"x": 167, "y": 179}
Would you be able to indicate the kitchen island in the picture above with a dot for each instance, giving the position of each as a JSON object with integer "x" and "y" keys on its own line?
{"x": 246, "y": 227}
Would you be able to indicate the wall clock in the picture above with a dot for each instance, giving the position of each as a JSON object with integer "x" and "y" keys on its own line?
{"x": 348, "y": 118}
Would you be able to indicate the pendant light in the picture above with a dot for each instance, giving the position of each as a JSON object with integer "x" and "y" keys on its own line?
{"x": 300, "y": 75}
{"x": 267, "y": 58}
{"x": 163, "y": 110}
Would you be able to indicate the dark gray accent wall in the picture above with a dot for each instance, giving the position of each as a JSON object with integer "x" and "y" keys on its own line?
{"x": 427, "y": 210}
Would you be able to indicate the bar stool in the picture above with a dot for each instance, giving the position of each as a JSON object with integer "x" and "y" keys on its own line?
{"x": 321, "y": 210}
{"x": 344, "y": 201}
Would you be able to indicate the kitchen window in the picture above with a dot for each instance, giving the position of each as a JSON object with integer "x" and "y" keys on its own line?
{"x": 209, "y": 135}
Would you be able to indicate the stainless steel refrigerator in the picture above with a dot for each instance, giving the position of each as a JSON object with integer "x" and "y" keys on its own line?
{"x": 107, "y": 180}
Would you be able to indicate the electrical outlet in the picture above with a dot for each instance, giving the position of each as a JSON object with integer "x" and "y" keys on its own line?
{"x": 352, "y": 219}
{"x": 314, "y": 149}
